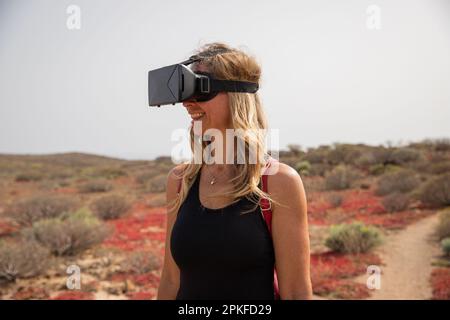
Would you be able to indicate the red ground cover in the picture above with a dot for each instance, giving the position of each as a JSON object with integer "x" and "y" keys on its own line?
{"x": 144, "y": 227}
{"x": 440, "y": 283}
{"x": 360, "y": 205}
{"x": 74, "y": 295}
{"x": 330, "y": 272}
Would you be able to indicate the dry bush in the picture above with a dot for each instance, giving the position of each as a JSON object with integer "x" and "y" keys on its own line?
{"x": 95, "y": 186}
{"x": 59, "y": 174}
{"x": 27, "y": 211}
{"x": 141, "y": 262}
{"x": 445, "y": 245}
{"x": 318, "y": 155}
{"x": 384, "y": 156}
{"x": 335, "y": 199}
{"x": 159, "y": 200}
{"x": 443, "y": 227}
{"x": 69, "y": 234}
{"x": 381, "y": 155}
{"x": 22, "y": 260}
{"x": 440, "y": 144}
{"x": 353, "y": 238}
{"x": 313, "y": 184}
{"x": 343, "y": 154}
{"x": 110, "y": 207}
{"x": 145, "y": 176}
{"x": 440, "y": 167}
{"x": 396, "y": 202}
{"x": 402, "y": 180}
{"x": 340, "y": 178}
{"x": 319, "y": 169}
{"x": 157, "y": 184}
{"x": 405, "y": 155}
{"x": 436, "y": 191}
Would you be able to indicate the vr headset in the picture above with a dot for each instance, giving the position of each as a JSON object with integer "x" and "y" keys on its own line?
{"x": 177, "y": 83}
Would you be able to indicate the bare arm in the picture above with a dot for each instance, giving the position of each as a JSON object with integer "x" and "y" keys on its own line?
{"x": 170, "y": 277}
{"x": 290, "y": 234}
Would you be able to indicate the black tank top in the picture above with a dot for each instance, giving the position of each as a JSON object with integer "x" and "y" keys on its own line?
{"x": 221, "y": 254}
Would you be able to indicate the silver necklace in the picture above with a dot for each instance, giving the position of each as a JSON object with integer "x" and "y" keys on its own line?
{"x": 215, "y": 178}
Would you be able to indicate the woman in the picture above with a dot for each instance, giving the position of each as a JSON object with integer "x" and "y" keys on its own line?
{"x": 217, "y": 244}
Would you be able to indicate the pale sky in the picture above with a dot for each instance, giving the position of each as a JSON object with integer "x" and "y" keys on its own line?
{"x": 327, "y": 77}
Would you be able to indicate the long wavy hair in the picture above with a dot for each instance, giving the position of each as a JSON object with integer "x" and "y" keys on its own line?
{"x": 247, "y": 114}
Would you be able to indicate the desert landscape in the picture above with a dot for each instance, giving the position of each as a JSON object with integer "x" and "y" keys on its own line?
{"x": 384, "y": 206}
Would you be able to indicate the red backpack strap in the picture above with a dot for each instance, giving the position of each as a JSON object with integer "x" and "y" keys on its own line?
{"x": 266, "y": 209}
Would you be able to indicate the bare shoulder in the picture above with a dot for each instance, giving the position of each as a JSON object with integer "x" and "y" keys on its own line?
{"x": 174, "y": 178}
{"x": 286, "y": 186}
{"x": 176, "y": 171}
{"x": 283, "y": 177}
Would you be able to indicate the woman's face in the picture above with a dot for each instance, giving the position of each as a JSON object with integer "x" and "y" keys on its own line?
{"x": 214, "y": 113}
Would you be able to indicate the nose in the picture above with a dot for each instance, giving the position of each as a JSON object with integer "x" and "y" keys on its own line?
{"x": 189, "y": 103}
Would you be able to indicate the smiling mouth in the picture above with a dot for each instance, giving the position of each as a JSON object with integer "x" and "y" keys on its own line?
{"x": 197, "y": 115}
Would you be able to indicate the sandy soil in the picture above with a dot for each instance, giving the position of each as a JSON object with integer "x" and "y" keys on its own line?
{"x": 407, "y": 255}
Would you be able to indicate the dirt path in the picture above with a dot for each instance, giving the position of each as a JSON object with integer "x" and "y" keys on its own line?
{"x": 407, "y": 255}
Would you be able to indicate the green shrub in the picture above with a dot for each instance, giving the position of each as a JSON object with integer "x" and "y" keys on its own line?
{"x": 445, "y": 244}
{"x": 366, "y": 160}
{"x": 396, "y": 202}
{"x": 110, "y": 207}
{"x": 22, "y": 260}
{"x": 440, "y": 167}
{"x": 379, "y": 169}
{"x": 341, "y": 177}
{"x": 27, "y": 211}
{"x": 402, "y": 181}
{"x": 111, "y": 173}
{"x": 29, "y": 176}
{"x": 69, "y": 234}
{"x": 436, "y": 191}
{"x": 95, "y": 186}
{"x": 303, "y": 167}
{"x": 353, "y": 238}
{"x": 443, "y": 227}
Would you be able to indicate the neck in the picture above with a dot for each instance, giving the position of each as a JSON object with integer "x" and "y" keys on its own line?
{"x": 218, "y": 153}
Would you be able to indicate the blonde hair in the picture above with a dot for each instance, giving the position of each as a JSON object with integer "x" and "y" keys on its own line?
{"x": 227, "y": 63}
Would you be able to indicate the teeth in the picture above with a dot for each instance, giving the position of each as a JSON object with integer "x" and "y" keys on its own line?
{"x": 197, "y": 114}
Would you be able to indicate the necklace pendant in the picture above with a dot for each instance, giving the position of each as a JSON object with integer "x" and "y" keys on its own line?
{"x": 213, "y": 181}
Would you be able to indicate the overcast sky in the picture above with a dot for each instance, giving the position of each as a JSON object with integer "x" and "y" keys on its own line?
{"x": 327, "y": 77}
